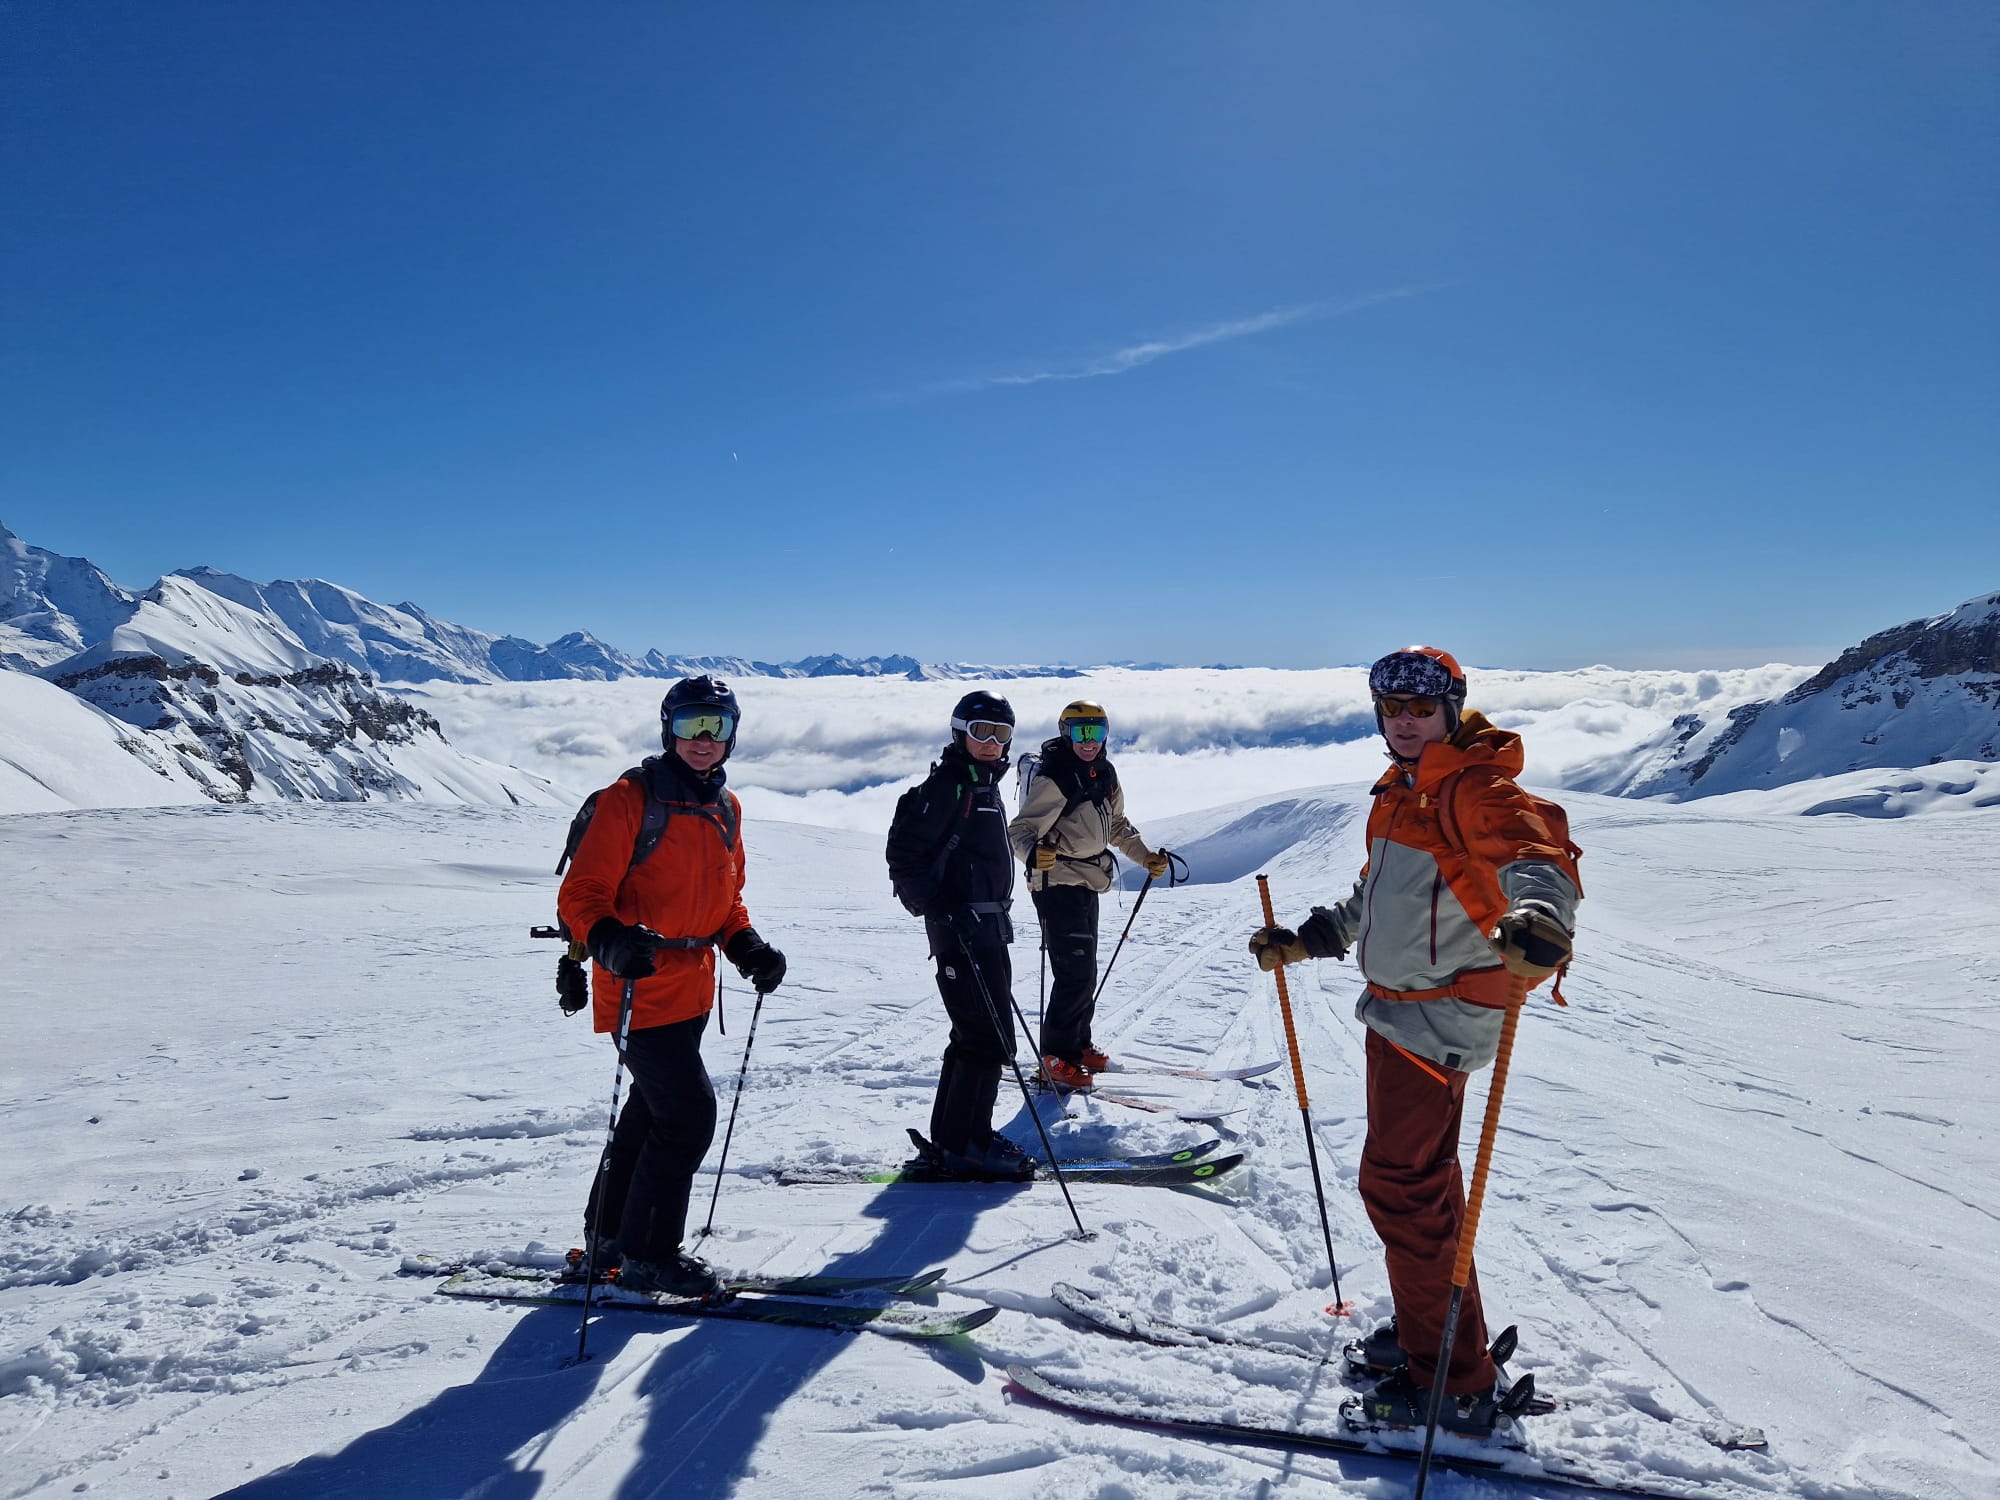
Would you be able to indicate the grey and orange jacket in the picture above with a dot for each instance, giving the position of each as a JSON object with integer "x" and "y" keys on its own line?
{"x": 690, "y": 886}
{"x": 1453, "y": 845}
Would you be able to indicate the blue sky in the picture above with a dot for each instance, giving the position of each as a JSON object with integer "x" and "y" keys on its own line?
{"x": 1553, "y": 333}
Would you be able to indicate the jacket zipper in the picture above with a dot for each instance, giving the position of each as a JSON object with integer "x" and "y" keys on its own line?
{"x": 1437, "y": 882}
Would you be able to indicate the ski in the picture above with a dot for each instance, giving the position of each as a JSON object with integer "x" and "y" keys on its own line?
{"x": 565, "y": 1270}
{"x": 1198, "y": 1114}
{"x": 1099, "y": 1169}
{"x": 1100, "y": 1316}
{"x": 1149, "y": 1328}
{"x": 1452, "y": 1454}
{"x": 1201, "y": 1075}
{"x": 897, "y": 1322}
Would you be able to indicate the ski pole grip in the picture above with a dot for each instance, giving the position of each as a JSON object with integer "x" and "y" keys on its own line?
{"x": 1284, "y": 999}
{"x": 1468, "y": 1229}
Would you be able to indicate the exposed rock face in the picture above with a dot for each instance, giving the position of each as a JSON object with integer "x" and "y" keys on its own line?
{"x": 1914, "y": 695}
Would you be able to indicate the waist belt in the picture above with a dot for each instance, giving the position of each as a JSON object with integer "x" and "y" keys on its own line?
{"x": 987, "y": 908}
{"x": 700, "y": 942}
{"x": 1487, "y": 987}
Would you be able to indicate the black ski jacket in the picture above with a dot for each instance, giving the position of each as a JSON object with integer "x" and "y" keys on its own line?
{"x": 949, "y": 859}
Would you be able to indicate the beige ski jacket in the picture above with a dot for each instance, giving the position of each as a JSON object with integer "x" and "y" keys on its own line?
{"x": 1085, "y": 836}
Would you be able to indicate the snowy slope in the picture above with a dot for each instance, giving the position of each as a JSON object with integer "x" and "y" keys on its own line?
{"x": 1914, "y": 695}
{"x": 226, "y": 697}
{"x": 59, "y": 752}
{"x": 1750, "y": 1171}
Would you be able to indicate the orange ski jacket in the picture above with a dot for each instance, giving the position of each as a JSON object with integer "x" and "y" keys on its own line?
{"x": 1453, "y": 845}
{"x": 691, "y": 886}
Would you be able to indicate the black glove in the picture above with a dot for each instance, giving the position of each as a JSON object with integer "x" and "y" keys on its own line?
{"x": 572, "y": 985}
{"x": 1320, "y": 933}
{"x": 756, "y": 960}
{"x": 624, "y": 950}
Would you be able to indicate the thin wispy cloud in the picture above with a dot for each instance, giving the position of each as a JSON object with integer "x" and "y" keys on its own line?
{"x": 1132, "y": 357}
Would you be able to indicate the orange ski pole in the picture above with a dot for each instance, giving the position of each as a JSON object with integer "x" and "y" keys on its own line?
{"x": 1468, "y": 1229}
{"x": 1341, "y": 1308}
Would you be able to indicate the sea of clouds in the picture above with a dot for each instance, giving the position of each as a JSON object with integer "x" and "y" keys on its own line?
{"x": 836, "y": 751}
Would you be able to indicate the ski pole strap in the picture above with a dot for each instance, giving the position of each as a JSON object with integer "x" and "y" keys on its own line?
{"x": 1468, "y": 1229}
{"x": 1177, "y": 870}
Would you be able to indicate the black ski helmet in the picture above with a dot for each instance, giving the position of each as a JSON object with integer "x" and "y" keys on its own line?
{"x": 1421, "y": 672}
{"x": 980, "y": 705}
{"x": 698, "y": 692}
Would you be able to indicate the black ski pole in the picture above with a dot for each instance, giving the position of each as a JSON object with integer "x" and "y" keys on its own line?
{"x": 741, "y": 1073}
{"x": 1103, "y": 978}
{"x": 721, "y": 1025}
{"x": 993, "y": 1014}
{"x": 1041, "y": 986}
{"x": 1468, "y": 1227}
{"x": 1340, "y": 1308}
{"x": 604, "y": 1171}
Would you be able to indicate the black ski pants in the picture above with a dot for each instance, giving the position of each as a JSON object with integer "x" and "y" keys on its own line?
{"x": 664, "y": 1131}
{"x": 1069, "y": 932}
{"x": 969, "y": 1076}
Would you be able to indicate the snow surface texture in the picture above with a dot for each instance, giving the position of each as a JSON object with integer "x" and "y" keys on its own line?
{"x": 257, "y": 1054}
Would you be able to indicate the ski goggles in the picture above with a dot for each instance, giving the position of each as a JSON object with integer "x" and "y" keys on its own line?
{"x": 694, "y": 722}
{"x": 992, "y": 732}
{"x": 1416, "y": 708}
{"x": 1088, "y": 731}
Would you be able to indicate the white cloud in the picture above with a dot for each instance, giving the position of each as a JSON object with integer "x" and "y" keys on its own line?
{"x": 1134, "y": 355}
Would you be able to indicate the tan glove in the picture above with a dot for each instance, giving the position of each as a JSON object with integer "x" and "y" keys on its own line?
{"x": 1532, "y": 944}
{"x": 1273, "y": 946}
{"x": 1156, "y": 864}
{"x": 1045, "y": 857}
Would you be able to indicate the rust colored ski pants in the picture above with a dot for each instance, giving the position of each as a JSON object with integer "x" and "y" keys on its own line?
{"x": 1415, "y": 1195}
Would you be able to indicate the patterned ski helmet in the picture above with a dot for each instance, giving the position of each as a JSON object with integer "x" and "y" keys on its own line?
{"x": 1085, "y": 709}
{"x": 1421, "y": 671}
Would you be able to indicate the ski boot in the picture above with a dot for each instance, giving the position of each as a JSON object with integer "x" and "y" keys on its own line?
{"x": 1398, "y": 1401}
{"x": 1064, "y": 1074}
{"x": 683, "y": 1276}
{"x": 1006, "y": 1161}
{"x": 1095, "y": 1061}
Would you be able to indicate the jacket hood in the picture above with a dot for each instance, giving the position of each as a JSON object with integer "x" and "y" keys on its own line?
{"x": 1477, "y": 743}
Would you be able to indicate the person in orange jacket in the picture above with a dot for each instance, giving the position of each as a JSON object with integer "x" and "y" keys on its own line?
{"x": 657, "y": 883}
{"x": 1466, "y": 884}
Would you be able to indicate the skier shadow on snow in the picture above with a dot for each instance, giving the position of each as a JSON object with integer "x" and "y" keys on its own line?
{"x": 716, "y": 1390}
{"x": 460, "y": 1440}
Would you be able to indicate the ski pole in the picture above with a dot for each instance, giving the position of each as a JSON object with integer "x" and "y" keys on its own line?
{"x": 1103, "y": 978}
{"x": 1340, "y": 1308}
{"x": 993, "y": 1014}
{"x": 1468, "y": 1229}
{"x": 604, "y": 1170}
{"x": 742, "y": 1072}
{"x": 1174, "y": 877}
{"x": 721, "y": 1025}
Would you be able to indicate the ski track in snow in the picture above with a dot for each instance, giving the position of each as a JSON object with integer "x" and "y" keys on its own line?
{"x": 266, "y": 1053}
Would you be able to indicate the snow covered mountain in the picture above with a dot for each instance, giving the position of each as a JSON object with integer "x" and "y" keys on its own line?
{"x": 1918, "y": 694}
{"x": 52, "y": 606}
{"x": 226, "y": 698}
